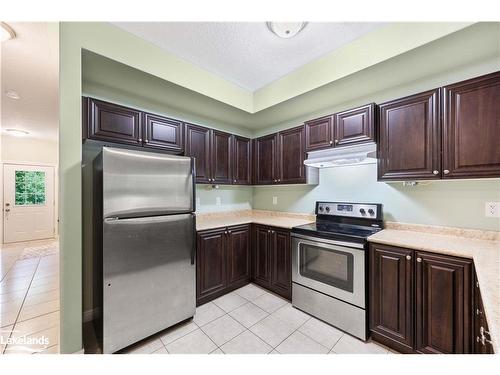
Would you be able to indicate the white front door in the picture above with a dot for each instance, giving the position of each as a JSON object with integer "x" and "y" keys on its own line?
{"x": 28, "y": 202}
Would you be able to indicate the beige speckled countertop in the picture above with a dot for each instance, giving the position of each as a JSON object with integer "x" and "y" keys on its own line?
{"x": 482, "y": 246}
{"x": 272, "y": 218}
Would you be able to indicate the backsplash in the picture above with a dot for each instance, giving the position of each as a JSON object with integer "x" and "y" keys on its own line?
{"x": 458, "y": 203}
{"x": 225, "y": 198}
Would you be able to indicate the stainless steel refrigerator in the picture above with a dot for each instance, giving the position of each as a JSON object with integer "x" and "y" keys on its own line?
{"x": 148, "y": 244}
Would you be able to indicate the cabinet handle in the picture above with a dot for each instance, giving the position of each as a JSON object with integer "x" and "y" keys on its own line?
{"x": 419, "y": 260}
{"x": 446, "y": 171}
{"x": 279, "y": 180}
{"x": 336, "y": 141}
{"x": 146, "y": 141}
{"x": 408, "y": 257}
{"x": 331, "y": 143}
{"x": 479, "y": 312}
{"x": 234, "y": 180}
{"x": 268, "y": 231}
{"x": 435, "y": 172}
{"x": 225, "y": 232}
{"x": 139, "y": 140}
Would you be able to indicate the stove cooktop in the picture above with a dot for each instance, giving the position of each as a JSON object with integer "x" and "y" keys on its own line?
{"x": 337, "y": 231}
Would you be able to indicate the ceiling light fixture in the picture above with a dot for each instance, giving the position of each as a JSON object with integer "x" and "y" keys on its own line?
{"x": 17, "y": 132}
{"x": 286, "y": 30}
{"x": 6, "y": 32}
{"x": 12, "y": 94}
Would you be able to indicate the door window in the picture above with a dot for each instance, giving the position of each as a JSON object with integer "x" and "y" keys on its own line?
{"x": 328, "y": 266}
{"x": 29, "y": 188}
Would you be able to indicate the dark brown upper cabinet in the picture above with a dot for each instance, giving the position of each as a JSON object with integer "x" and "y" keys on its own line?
{"x": 279, "y": 158}
{"x": 410, "y": 138}
{"x": 162, "y": 133}
{"x": 220, "y": 152}
{"x": 112, "y": 122}
{"x": 319, "y": 133}
{"x": 265, "y": 156}
{"x": 291, "y": 155}
{"x": 355, "y": 125}
{"x": 444, "y": 303}
{"x": 471, "y": 128}
{"x": 391, "y": 286}
{"x": 198, "y": 146}
{"x": 242, "y": 160}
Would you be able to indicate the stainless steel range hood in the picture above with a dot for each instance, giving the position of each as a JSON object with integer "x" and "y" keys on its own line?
{"x": 365, "y": 153}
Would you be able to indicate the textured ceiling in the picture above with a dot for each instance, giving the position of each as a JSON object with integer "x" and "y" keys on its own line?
{"x": 247, "y": 53}
{"x": 30, "y": 66}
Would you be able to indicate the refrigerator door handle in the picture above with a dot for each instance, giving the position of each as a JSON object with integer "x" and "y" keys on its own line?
{"x": 193, "y": 248}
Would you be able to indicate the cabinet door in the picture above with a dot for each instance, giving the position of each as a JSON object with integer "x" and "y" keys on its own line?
{"x": 291, "y": 155}
{"x": 221, "y": 161}
{"x": 391, "y": 291}
{"x": 265, "y": 160}
{"x": 471, "y": 133}
{"x": 443, "y": 304}
{"x": 319, "y": 133}
{"x": 162, "y": 133}
{"x": 261, "y": 259}
{"x": 198, "y": 146}
{"x": 241, "y": 155}
{"x": 112, "y": 122}
{"x": 409, "y": 138}
{"x": 238, "y": 255}
{"x": 355, "y": 125}
{"x": 211, "y": 262}
{"x": 281, "y": 264}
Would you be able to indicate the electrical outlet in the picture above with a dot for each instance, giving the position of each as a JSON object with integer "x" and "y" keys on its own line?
{"x": 492, "y": 209}
{"x": 275, "y": 201}
{"x": 217, "y": 201}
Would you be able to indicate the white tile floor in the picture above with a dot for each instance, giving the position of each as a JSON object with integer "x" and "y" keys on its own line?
{"x": 29, "y": 300}
{"x": 251, "y": 320}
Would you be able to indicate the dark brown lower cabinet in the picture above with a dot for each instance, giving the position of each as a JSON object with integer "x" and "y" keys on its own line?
{"x": 271, "y": 260}
{"x": 444, "y": 304}
{"x": 421, "y": 302}
{"x": 391, "y": 296}
{"x": 222, "y": 261}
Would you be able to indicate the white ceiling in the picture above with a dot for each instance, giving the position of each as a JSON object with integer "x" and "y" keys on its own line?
{"x": 30, "y": 66}
{"x": 247, "y": 53}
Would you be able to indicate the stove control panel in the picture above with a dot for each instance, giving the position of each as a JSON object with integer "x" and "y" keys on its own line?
{"x": 358, "y": 210}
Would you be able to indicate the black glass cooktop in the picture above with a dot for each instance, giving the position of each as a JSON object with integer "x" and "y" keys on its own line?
{"x": 338, "y": 231}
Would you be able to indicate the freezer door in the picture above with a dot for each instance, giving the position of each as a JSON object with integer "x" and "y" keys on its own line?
{"x": 148, "y": 277}
{"x": 138, "y": 183}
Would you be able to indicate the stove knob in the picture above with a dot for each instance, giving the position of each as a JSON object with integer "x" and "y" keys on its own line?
{"x": 321, "y": 208}
{"x": 327, "y": 209}
{"x": 362, "y": 211}
{"x": 371, "y": 212}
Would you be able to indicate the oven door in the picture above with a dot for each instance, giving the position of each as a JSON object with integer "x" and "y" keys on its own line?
{"x": 330, "y": 267}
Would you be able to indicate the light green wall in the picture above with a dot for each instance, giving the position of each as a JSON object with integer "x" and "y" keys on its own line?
{"x": 450, "y": 203}
{"x": 230, "y": 198}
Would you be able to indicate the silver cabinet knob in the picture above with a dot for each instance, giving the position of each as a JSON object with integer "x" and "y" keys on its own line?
{"x": 234, "y": 180}
{"x": 408, "y": 257}
{"x": 336, "y": 141}
{"x": 419, "y": 260}
{"x": 446, "y": 171}
{"x": 279, "y": 180}
{"x": 139, "y": 140}
{"x": 435, "y": 172}
{"x": 331, "y": 142}
{"x": 268, "y": 231}
{"x": 228, "y": 232}
{"x": 146, "y": 141}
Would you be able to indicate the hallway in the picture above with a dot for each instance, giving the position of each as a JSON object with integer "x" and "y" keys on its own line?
{"x": 29, "y": 297}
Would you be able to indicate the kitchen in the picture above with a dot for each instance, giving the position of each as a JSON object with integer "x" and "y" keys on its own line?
{"x": 344, "y": 201}
{"x": 405, "y": 147}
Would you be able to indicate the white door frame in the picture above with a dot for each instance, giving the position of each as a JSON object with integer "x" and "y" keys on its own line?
{"x": 56, "y": 191}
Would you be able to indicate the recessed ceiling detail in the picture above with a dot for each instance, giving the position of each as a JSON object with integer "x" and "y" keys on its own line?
{"x": 246, "y": 53}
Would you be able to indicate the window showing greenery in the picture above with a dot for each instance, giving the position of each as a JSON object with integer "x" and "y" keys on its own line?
{"x": 30, "y": 188}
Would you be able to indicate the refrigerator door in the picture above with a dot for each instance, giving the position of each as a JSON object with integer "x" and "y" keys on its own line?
{"x": 138, "y": 183}
{"x": 148, "y": 277}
